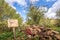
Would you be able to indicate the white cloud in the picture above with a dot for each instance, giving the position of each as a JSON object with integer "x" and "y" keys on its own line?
{"x": 52, "y": 11}
{"x": 20, "y": 2}
{"x": 43, "y": 8}
{"x": 33, "y": 1}
{"x": 24, "y": 11}
{"x": 12, "y": 6}
{"x": 49, "y": 0}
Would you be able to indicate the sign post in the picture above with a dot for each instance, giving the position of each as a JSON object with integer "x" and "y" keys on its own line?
{"x": 14, "y": 33}
{"x": 13, "y": 23}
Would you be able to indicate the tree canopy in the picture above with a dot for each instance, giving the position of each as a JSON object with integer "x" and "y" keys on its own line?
{"x": 58, "y": 13}
{"x": 7, "y": 12}
{"x": 34, "y": 15}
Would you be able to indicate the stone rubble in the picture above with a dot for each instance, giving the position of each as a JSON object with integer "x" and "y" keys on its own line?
{"x": 43, "y": 32}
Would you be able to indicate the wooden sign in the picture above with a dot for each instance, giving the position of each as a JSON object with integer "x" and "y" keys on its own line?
{"x": 12, "y": 23}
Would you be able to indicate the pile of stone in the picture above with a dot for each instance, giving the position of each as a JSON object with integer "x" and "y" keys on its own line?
{"x": 43, "y": 33}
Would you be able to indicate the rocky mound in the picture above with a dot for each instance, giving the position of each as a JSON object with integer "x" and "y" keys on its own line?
{"x": 42, "y": 32}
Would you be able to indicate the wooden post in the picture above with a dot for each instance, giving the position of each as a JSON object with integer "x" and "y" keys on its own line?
{"x": 14, "y": 32}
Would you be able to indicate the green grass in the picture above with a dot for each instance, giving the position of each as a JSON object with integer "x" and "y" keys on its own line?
{"x": 56, "y": 28}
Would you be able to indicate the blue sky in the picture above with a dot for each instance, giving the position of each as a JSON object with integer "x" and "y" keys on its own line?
{"x": 22, "y": 6}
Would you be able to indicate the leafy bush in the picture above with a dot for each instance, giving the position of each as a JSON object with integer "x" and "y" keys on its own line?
{"x": 5, "y": 35}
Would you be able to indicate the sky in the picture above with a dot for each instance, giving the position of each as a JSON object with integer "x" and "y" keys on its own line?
{"x": 22, "y": 6}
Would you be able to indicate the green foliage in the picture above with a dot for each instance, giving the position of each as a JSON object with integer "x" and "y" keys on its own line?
{"x": 57, "y": 23}
{"x": 5, "y": 35}
{"x": 58, "y": 16}
{"x": 58, "y": 13}
{"x": 34, "y": 15}
{"x": 7, "y": 12}
{"x": 10, "y": 36}
{"x": 1, "y": 2}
